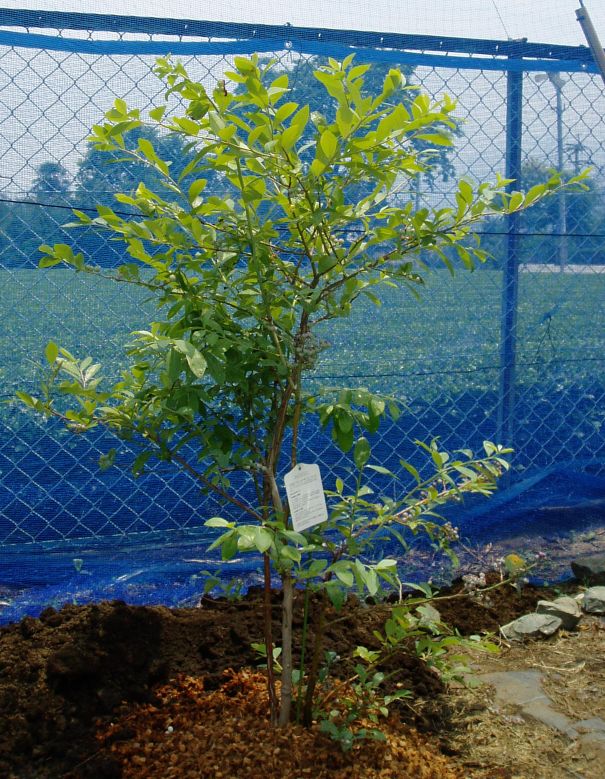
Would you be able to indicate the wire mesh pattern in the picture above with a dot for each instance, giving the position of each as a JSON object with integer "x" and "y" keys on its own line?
{"x": 442, "y": 355}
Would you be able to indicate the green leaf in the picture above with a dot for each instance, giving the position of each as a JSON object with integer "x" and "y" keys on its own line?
{"x": 344, "y": 420}
{"x": 376, "y": 406}
{"x": 138, "y": 466}
{"x": 263, "y": 539}
{"x": 120, "y": 106}
{"x": 296, "y": 538}
{"x": 342, "y": 570}
{"x": 229, "y": 547}
{"x": 247, "y": 538}
{"x": 394, "y": 411}
{"x": 244, "y": 65}
{"x": 187, "y": 125}
{"x": 422, "y": 587}
{"x": 51, "y": 352}
{"x": 24, "y": 397}
{"x": 194, "y": 190}
{"x": 361, "y": 453}
{"x": 344, "y": 120}
{"x": 315, "y": 568}
{"x": 107, "y": 460}
{"x": 435, "y": 139}
{"x": 344, "y": 439}
{"x": 284, "y": 111}
{"x": 195, "y": 360}
{"x": 466, "y": 191}
{"x": 297, "y": 126}
{"x": 217, "y": 522}
{"x": 410, "y": 469}
{"x": 147, "y": 150}
{"x": 328, "y": 144}
{"x": 290, "y": 553}
{"x": 157, "y": 114}
{"x": 386, "y": 563}
{"x": 534, "y": 193}
{"x": 218, "y": 542}
{"x": 515, "y": 201}
{"x": 335, "y": 593}
{"x": 371, "y": 581}
{"x": 346, "y": 577}
{"x": 318, "y": 167}
{"x": 49, "y": 262}
{"x": 382, "y": 470}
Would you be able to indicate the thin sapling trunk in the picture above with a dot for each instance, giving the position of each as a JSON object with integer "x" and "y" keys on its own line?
{"x": 286, "y": 656}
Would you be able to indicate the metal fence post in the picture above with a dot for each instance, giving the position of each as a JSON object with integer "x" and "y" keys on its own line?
{"x": 510, "y": 276}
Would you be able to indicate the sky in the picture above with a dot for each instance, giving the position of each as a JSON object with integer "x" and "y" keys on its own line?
{"x": 546, "y": 21}
{"x": 28, "y": 132}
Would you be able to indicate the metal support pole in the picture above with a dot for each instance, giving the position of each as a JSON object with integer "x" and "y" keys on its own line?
{"x": 510, "y": 277}
{"x": 591, "y": 38}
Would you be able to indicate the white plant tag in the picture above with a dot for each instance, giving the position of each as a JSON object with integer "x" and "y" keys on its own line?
{"x": 306, "y": 497}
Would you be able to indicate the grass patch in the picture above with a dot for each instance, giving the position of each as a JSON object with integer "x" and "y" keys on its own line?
{"x": 446, "y": 343}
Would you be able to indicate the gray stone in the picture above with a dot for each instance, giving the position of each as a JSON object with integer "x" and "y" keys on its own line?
{"x": 590, "y": 569}
{"x": 594, "y": 725}
{"x": 531, "y": 626}
{"x": 567, "y": 609}
{"x": 594, "y": 600}
{"x": 593, "y": 746}
{"x": 524, "y": 689}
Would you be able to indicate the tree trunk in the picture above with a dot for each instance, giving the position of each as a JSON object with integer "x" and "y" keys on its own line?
{"x": 268, "y": 630}
{"x": 286, "y": 654}
{"x": 315, "y": 660}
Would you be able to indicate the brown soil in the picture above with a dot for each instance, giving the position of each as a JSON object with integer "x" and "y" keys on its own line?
{"x": 70, "y": 673}
{"x": 192, "y": 734}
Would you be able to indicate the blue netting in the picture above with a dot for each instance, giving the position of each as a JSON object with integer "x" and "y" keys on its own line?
{"x": 456, "y": 376}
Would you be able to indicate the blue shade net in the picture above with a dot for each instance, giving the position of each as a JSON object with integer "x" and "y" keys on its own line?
{"x": 71, "y": 532}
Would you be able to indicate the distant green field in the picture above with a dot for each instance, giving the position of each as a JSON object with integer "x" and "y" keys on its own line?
{"x": 451, "y": 338}
{"x": 454, "y": 332}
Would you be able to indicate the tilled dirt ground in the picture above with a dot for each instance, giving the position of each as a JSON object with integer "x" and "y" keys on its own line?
{"x": 65, "y": 677}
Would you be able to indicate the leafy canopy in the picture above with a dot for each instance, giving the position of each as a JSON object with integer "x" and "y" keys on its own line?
{"x": 244, "y": 280}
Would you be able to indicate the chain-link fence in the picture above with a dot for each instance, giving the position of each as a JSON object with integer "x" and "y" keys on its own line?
{"x": 513, "y": 352}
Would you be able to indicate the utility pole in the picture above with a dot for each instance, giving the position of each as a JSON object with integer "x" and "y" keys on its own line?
{"x": 574, "y": 152}
{"x": 558, "y": 82}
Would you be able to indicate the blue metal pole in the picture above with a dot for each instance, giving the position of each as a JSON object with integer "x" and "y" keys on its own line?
{"x": 510, "y": 277}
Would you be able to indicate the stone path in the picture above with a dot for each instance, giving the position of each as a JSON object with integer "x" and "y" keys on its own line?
{"x": 523, "y": 689}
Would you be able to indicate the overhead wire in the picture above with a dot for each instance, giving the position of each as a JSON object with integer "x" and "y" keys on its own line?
{"x": 348, "y": 230}
{"x": 499, "y": 15}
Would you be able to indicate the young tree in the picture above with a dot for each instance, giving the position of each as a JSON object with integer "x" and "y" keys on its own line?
{"x": 217, "y": 383}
